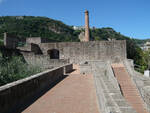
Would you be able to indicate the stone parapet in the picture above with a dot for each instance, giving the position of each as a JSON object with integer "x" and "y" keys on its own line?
{"x": 16, "y": 93}
{"x": 146, "y": 96}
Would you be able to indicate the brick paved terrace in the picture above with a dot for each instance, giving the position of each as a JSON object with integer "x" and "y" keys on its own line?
{"x": 74, "y": 94}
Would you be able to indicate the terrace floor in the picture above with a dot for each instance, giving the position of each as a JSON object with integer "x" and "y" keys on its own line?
{"x": 74, "y": 94}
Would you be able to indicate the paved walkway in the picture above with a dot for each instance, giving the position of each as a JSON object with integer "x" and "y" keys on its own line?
{"x": 75, "y": 94}
{"x": 128, "y": 88}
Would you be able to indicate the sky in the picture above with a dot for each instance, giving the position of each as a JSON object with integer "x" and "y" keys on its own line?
{"x": 129, "y": 17}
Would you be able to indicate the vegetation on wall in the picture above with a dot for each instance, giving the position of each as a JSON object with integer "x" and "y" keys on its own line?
{"x": 14, "y": 68}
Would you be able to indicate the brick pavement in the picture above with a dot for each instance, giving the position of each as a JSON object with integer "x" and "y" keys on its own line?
{"x": 75, "y": 94}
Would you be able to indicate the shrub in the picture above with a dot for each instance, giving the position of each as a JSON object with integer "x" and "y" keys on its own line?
{"x": 12, "y": 69}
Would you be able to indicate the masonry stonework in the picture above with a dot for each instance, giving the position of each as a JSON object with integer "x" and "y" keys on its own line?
{"x": 78, "y": 52}
{"x": 36, "y": 40}
{"x": 43, "y": 61}
{"x": 11, "y": 41}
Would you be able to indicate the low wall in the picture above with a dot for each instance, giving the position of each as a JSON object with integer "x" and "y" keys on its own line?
{"x": 85, "y": 69}
{"x": 16, "y": 93}
{"x": 146, "y": 96}
{"x": 68, "y": 68}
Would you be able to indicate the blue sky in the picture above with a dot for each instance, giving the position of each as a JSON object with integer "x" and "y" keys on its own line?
{"x": 129, "y": 17}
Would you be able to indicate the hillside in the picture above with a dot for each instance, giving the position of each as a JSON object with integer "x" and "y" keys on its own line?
{"x": 25, "y": 26}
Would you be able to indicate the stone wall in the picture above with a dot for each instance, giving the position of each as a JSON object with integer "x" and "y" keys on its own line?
{"x": 18, "y": 92}
{"x": 85, "y": 69}
{"x": 146, "y": 95}
{"x": 35, "y": 40}
{"x": 11, "y": 41}
{"x": 79, "y": 52}
{"x": 43, "y": 61}
{"x": 30, "y": 47}
{"x": 68, "y": 68}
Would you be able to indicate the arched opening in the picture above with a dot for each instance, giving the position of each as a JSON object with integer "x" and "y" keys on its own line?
{"x": 53, "y": 53}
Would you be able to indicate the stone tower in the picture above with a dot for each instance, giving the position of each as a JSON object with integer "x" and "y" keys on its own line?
{"x": 87, "y": 32}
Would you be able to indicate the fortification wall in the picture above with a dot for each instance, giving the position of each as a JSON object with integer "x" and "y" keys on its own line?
{"x": 43, "y": 61}
{"x": 35, "y": 40}
{"x": 11, "y": 41}
{"x": 94, "y": 50}
{"x": 16, "y": 93}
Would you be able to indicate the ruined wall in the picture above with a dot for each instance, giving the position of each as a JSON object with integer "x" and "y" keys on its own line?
{"x": 30, "y": 47}
{"x": 43, "y": 61}
{"x": 35, "y": 40}
{"x": 11, "y": 41}
{"x": 94, "y": 50}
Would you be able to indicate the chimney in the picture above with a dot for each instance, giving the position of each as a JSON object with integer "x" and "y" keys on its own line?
{"x": 87, "y": 32}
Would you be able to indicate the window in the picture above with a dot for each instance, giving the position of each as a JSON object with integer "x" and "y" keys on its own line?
{"x": 53, "y": 53}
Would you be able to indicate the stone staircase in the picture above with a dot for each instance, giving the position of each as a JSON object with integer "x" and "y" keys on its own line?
{"x": 128, "y": 88}
{"x": 108, "y": 91}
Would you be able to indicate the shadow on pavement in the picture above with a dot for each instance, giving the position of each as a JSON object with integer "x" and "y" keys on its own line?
{"x": 27, "y": 103}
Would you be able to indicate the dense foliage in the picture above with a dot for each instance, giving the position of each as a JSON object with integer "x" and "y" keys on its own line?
{"x": 14, "y": 68}
{"x": 26, "y": 26}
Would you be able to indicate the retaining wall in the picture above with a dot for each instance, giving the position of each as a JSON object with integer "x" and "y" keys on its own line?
{"x": 79, "y": 52}
{"x": 17, "y": 92}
